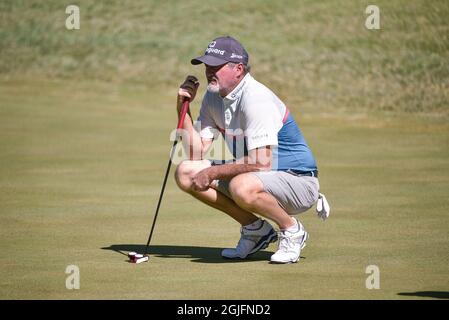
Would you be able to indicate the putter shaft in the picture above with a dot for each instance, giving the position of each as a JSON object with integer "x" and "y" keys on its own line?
{"x": 184, "y": 109}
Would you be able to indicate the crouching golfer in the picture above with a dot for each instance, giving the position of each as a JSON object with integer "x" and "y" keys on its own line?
{"x": 274, "y": 174}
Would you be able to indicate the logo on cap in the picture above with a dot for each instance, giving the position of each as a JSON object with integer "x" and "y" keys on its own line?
{"x": 216, "y": 51}
{"x": 212, "y": 44}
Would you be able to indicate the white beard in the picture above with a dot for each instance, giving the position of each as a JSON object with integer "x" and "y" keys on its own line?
{"x": 213, "y": 88}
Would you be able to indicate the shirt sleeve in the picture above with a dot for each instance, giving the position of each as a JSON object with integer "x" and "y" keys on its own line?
{"x": 262, "y": 123}
{"x": 208, "y": 127}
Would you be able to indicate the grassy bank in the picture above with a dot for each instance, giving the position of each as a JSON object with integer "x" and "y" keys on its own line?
{"x": 316, "y": 53}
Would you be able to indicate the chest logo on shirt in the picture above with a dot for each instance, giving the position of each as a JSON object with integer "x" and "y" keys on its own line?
{"x": 228, "y": 116}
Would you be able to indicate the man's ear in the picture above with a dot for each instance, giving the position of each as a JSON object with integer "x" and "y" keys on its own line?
{"x": 241, "y": 69}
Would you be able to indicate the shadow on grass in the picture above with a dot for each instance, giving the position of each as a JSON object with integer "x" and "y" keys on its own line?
{"x": 427, "y": 294}
{"x": 195, "y": 254}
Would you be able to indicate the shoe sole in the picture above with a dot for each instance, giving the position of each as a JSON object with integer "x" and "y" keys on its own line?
{"x": 303, "y": 245}
{"x": 263, "y": 244}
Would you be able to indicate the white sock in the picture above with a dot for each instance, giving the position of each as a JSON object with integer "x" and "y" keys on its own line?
{"x": 295, "y": 228}
{"x": 255, "y": 225}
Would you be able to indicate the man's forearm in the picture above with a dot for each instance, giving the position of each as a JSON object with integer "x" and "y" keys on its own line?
{"x": 257, "y": 160}
{"x": 229, "y": 171}
{"x": 191, "y": 140}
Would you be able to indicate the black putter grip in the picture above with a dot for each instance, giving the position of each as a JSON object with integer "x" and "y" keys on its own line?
{"x": 190, "y": 83}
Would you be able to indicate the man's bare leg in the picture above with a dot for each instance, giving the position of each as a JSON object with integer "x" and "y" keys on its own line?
{"x": 253, "y": 239}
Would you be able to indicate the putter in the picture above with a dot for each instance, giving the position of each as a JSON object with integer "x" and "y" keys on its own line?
{"x": 145, "y": 257}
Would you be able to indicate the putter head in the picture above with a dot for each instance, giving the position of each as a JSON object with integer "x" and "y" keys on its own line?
{"x": 137, "y": 258}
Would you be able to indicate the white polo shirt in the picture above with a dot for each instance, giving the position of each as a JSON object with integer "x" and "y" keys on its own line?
{"x": 250, "y": 109}
{"x": 252, "y": 116}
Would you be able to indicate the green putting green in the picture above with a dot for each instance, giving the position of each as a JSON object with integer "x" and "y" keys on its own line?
{"x": 82, "y": 167}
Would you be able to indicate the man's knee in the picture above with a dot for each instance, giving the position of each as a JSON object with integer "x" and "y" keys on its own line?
{"x": 244, "y": 189}
{"x": 182, "y": 176}
{"x": 186, "y": 170}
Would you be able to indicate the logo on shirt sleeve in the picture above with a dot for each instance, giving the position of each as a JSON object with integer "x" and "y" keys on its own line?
{"x": 259, "y": 136}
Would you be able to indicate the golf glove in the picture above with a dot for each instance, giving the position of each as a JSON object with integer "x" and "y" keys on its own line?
{"x": 322, "y": 207}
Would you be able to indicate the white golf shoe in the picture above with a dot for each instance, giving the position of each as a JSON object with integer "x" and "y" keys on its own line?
{"x": 251, "y": 241}
{"x": 290, "y": 246}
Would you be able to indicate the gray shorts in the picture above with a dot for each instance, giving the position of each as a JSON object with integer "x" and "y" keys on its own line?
{"x": 295, "y": 194}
